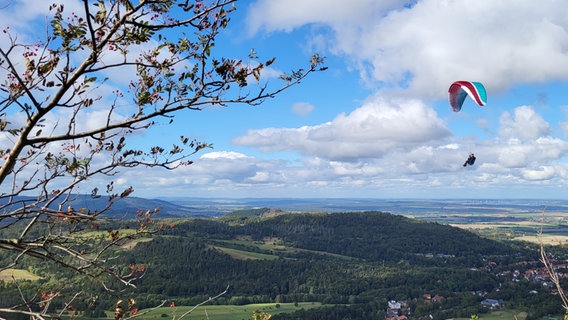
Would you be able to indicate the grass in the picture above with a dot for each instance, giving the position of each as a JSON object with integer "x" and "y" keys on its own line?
{"x": 17, "y": 274}
{"x": 276, "y": 245}
{"x": 244, "y": 255}
{"x": 500, "y": 315}
{"x": 132, "y": 243}
{"x": 230, "y": 312}
{"x": 552, "y": 240}
{"x": 224, "y": 312}
{"x": 104, "y": 233}
{"x": 126, "y": 244}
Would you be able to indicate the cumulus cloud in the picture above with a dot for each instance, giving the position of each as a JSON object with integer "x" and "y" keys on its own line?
{"x": 523, "y": 124}
{"x": 376, "y": 128}
{"x": 424, "y": 47}
{"x": 542, "y": 173}
{"x": 288, "y": 15}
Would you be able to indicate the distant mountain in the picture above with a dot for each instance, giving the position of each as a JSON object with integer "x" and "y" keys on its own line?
{"x": 126, "y": 208}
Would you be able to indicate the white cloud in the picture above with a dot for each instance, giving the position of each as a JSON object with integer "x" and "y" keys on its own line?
{"x": 524, "y": 124}
{"x": 231, "y": 155}
{"x": 291, "y": 14}
{"x": 302, "y": 108}
{"x": 426, "y": 47}
{"x": 564, "y": 127}
{"x": 542, "y": 173}
{"x": 376, "y": 128}
{"x": 26, "y": 17}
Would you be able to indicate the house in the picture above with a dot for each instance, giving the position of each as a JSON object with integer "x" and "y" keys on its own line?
{"x": 396, "y": 310}
{"x": 429, "y": 298}
{"x": 493, "y": 304}
{"x": 394, "y": 305}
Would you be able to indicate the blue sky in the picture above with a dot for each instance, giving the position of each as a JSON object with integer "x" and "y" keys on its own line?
{"x": 377, "y": 124}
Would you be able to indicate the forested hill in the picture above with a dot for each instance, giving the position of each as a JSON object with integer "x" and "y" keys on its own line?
{"x": 363, "y": 259}
{"x": 379, "y": 236}
{"x": 372, "y": 236}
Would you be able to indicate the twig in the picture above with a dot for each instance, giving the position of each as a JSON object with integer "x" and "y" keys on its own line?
{"x": 139, "y": 314}
{"x": 67, "y": 304}
{"x": 204, "y": 302}
{"x": 550, "y": 268}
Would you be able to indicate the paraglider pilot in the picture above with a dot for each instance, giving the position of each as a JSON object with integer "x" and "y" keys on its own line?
{"x": 470, "y": 160}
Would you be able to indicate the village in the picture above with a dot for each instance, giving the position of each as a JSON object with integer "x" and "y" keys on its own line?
{"x": 533, "y": 271}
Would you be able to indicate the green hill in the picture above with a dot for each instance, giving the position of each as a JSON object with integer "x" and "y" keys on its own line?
{"x": 352, "y": 262}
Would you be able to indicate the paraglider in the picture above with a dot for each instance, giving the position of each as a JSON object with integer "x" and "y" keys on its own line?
{"x": 459, "y": 90}
{"x": 470, "y": 160}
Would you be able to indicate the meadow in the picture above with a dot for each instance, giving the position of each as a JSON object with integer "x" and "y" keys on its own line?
{"x": 506, "y": 314}
{"x": 215, "y": 312}
{"x": 10, "y": 274}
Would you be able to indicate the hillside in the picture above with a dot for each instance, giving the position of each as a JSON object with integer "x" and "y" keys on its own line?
{"x": 365, "y": 258}
{"x": 352, "y": 262}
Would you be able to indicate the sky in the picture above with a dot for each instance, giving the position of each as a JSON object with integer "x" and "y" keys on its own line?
{"x": 376, "y": 123}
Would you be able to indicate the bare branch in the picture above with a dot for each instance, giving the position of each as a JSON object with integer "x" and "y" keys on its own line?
{"x": 554, "y": 277}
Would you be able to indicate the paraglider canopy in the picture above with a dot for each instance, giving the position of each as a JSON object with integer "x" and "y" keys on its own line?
{"x": 459, "y": 90}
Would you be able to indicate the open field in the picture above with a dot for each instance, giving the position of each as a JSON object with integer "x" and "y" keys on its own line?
{"x": 500, "y": 315}
{"x": 549, "y": 227}
{"x": 275, "y": 245}
{"x": 132, "y": 243}
{"x": 545, "y": 239}
{"x": 17, "y": 274}
{"x": 529, "y": 231}
{"x": 225, "y": 312}
{"x": 243, "y": 255}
